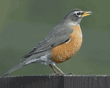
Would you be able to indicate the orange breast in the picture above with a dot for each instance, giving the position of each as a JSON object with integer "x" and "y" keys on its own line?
{"x": 66, "y": 50}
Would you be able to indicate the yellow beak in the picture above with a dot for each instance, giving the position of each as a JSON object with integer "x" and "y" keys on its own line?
{"x": 86, "y": 13}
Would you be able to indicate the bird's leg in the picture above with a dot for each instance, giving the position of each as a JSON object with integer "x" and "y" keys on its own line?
{"x": 54, "y": 70}
{"x": 56, "y": 73}
{"x": 58, "y": 69}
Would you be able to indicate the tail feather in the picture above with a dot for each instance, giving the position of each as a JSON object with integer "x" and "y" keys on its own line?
{"x": 23, "y": 63}
{"x": 13, "y": 69}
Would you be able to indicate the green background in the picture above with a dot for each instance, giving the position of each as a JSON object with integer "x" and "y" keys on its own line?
{"x": 24, "y": 23}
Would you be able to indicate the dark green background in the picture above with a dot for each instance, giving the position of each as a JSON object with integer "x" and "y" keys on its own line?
{"x": 24, "y": 23}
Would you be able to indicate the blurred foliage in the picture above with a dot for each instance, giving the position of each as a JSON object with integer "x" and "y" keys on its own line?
{"x": 24, "y": 23}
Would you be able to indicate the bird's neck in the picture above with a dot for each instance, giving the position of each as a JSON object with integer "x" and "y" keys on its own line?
{"x": 69, "y": 23}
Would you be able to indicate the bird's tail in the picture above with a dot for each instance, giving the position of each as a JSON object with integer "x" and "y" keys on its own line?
{"x": 14, "y": 68}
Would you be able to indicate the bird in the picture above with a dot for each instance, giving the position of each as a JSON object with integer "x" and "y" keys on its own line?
{"x": 62, "y": 42}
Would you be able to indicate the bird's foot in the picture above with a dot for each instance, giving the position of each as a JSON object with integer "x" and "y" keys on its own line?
{"x": 71, "y": 74}
{"x": 53, "y": 74}
{"x": 68, "y": 74}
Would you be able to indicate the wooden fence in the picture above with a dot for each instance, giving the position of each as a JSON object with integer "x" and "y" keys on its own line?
{"x": 45, "y": 81}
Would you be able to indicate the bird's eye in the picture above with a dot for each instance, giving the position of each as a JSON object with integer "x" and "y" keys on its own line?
{"x": 78, "y": 13}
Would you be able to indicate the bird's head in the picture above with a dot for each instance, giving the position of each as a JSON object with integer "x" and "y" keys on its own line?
{"x": 76, "y": 15}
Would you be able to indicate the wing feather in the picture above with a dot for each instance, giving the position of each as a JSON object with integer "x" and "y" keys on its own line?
{"x": 57, "y": 36}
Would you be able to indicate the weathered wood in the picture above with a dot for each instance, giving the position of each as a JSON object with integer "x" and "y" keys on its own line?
{"x": 45, "y": 81}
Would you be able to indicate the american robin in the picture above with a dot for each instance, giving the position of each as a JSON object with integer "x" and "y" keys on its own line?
{"x": 59, "y": 45}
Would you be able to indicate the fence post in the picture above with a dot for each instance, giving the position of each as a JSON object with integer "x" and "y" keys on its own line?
{"x": 45, "y": 81}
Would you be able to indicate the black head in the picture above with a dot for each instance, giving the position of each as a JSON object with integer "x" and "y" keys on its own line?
{"x": 76, "y": 15}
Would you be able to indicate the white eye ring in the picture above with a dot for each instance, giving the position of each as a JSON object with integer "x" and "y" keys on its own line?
{"x": 78, "y": 12}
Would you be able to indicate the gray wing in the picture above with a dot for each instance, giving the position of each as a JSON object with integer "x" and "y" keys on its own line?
{"x": 57, "y": 36}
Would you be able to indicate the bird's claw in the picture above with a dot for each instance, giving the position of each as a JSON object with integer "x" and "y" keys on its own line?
{"x": 69, "y": 74}
{"x": 53, "y": 74}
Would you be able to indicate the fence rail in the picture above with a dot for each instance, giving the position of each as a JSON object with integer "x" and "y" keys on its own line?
{"x": 45, "y": 81}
